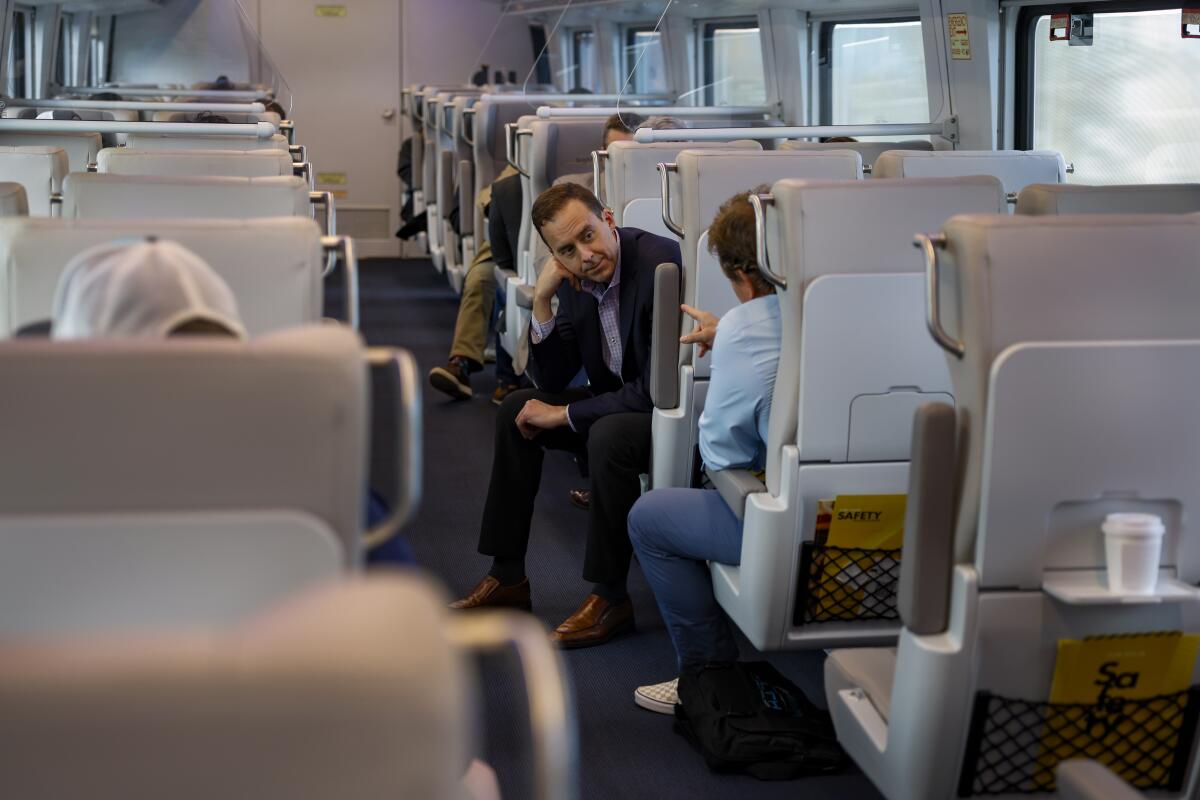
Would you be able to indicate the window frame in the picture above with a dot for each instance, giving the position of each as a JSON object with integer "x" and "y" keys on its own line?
{"x": 1025, "y": 76}
{"x": 576, "y": 70}
{"x": 629, "y": 59}
{"x": 705, "y": 30}
{"x": 825, "y": 57}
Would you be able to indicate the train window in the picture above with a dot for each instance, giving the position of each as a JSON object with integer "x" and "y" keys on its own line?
{"x": 583, "y": 60}
{"x": 732, "y": 63}
{"x": 645, "y": 67}
{"x": 1126, "y": 109}
{"x": 874, "y": 73}
{"x": 19, "y": 51}
{"x": 62, "y": 63}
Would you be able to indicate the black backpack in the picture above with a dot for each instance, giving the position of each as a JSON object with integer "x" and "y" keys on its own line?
{"x": 747, "y": 717}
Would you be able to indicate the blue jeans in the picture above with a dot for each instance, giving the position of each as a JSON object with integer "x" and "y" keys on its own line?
{"x": 674, "y": 532}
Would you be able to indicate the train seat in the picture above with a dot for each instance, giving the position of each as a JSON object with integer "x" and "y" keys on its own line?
{"x": 855, "y": 363}
{"x": 143, "y": 468}
{"x": 195, "y": 163}
{"x": 167, "y": 197}
{"x": 698, "y": 183}
{"x": 234, "y": 118}
{"x": 81, "y": 148}
{"x": 1003, "y": 552}
{"x": 1164, "y": 198}
{"x": 191, "y": 141}
{"x": 273, "y": 266}
{"x": 258, "y": 708}
{"x": 451, "y": 150}
{"x": 631, "y": 186}
{"x": 1016, "y": 169}
{"x": 870, "y": 151}
{"x": 486, "y": 122}
{"x": 13, "y": 202}
{"x": 41, "y": 170}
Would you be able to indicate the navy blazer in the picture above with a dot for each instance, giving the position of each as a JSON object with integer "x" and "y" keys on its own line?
{"x": 577, "y": 340}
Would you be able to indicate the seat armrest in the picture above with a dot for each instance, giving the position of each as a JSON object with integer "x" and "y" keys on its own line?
{"x": 734, "y": 486}
{"x": 664, "y": 337}
{"x": 1091, "y": 780}
{"x": 927, "y": 557}
{"x": 525, "y": 295}
{"x": 502, "y": 275}
{"x": 466, "y": 201}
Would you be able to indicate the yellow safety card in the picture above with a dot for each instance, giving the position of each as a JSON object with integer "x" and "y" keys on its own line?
{"x": 332, "y": 11}
{"x": 869, "y": 521}
{"x": 1108, "y": 692}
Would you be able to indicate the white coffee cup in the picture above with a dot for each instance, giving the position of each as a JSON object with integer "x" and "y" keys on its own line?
{"x": 1132, "y": 546}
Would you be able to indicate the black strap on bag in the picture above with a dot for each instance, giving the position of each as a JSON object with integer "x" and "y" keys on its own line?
{"x": 747, "y": 717}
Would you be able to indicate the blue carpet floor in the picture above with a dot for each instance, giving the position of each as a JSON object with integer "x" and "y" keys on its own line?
{"x": 627, "y": 752}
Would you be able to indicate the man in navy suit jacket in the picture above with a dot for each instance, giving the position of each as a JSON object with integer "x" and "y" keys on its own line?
{"x": 603, "y": 279}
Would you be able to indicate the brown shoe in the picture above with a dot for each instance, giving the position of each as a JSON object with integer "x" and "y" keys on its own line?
{"x": 580, "y": 498}
{"x": 503, "y": 390}
{"x": 596, "y": 621}
{"x": 452, "y": 379}
{"x": 488, "y": 593}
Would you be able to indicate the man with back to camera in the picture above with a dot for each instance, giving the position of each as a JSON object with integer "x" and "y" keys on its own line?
{"x": 603, "y": 279}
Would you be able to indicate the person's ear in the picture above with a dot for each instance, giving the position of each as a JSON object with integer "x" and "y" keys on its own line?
{"x": 608, "y": 217}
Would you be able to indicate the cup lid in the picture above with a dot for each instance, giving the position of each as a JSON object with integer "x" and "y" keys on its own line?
{"x": 1134, "y": 524}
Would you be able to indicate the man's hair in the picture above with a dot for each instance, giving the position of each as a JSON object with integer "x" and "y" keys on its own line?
{"x": 731, "y": 239}
{"x": 627, "y": 123}
{"x": 556, "y": 198}
{"x": 838, "y": 139}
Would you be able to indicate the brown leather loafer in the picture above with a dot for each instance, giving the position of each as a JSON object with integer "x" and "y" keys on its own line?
{"x": 580, "y": 498}
{"x": 488, "y": 593}
{"x": 596, "y": 621}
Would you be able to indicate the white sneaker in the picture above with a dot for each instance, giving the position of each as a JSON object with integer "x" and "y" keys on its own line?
{"x": 659, "y": 697}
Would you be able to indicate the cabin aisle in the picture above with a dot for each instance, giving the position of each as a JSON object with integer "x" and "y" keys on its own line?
{"x": 626, "y": 752}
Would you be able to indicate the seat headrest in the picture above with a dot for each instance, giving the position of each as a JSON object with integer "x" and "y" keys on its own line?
{"x": 13, "y": 202}
{"x": 870, "y": 151}
{"x": 1167, "y": 198}
{"x": 273, "y": 266}
{"x": 101, "y": 196}
{"x": 1015, "y": 168}
{"x": 152, "y": 141}
{"x": 238, "y": 163}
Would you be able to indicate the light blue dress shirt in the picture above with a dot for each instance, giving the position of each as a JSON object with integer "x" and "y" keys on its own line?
{"x": 745, "y": 358}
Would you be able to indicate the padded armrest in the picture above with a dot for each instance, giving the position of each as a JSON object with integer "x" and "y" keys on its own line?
{"x": 525, "y": 295}
{"x": 664, "y": 337}
{"x": 928, "y": 552}
{"x": 466, "y": 199}
{"x": 735, "y": 485}
{"x": 502, "y": 275}
{"x": 1091, "y": 780}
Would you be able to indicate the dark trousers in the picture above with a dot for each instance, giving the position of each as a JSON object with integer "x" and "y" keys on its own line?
{"x": 618, "y": 452}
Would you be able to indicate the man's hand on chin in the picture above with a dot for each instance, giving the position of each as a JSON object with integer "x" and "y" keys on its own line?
{"x": 536, "y": 416}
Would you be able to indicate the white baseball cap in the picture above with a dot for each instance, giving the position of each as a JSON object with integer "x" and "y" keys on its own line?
{"x": 140, "y": 289}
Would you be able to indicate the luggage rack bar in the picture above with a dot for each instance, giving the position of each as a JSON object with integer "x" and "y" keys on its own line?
{"x": 549, "y": 112}
{"x": 947, "y": 129}
{"x": 133, "y": 105}
{"x": 214, "y": 94}
{"x": 255, "y": 130}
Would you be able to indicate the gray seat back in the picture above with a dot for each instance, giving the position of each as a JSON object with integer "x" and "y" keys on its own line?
{"x": 1016, "y": 169}
{"x": 273, "y": 266}
{"x": 13, "y": 202}
{"x": 1166, "y": 198}
{"x": 633, "y": 186}
{"x": 167, "y": 197}
{"x": 163, "y": 141}
{"x": 261, "y": 708}
{"x": 188, "y": 427}
{"x": 195, "y": 163}
{"x": 40, "y": 170}
{"x": 81, "y": 148}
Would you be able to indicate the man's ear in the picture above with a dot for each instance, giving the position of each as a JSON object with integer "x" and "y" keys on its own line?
{"x": 609, "y": 218}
